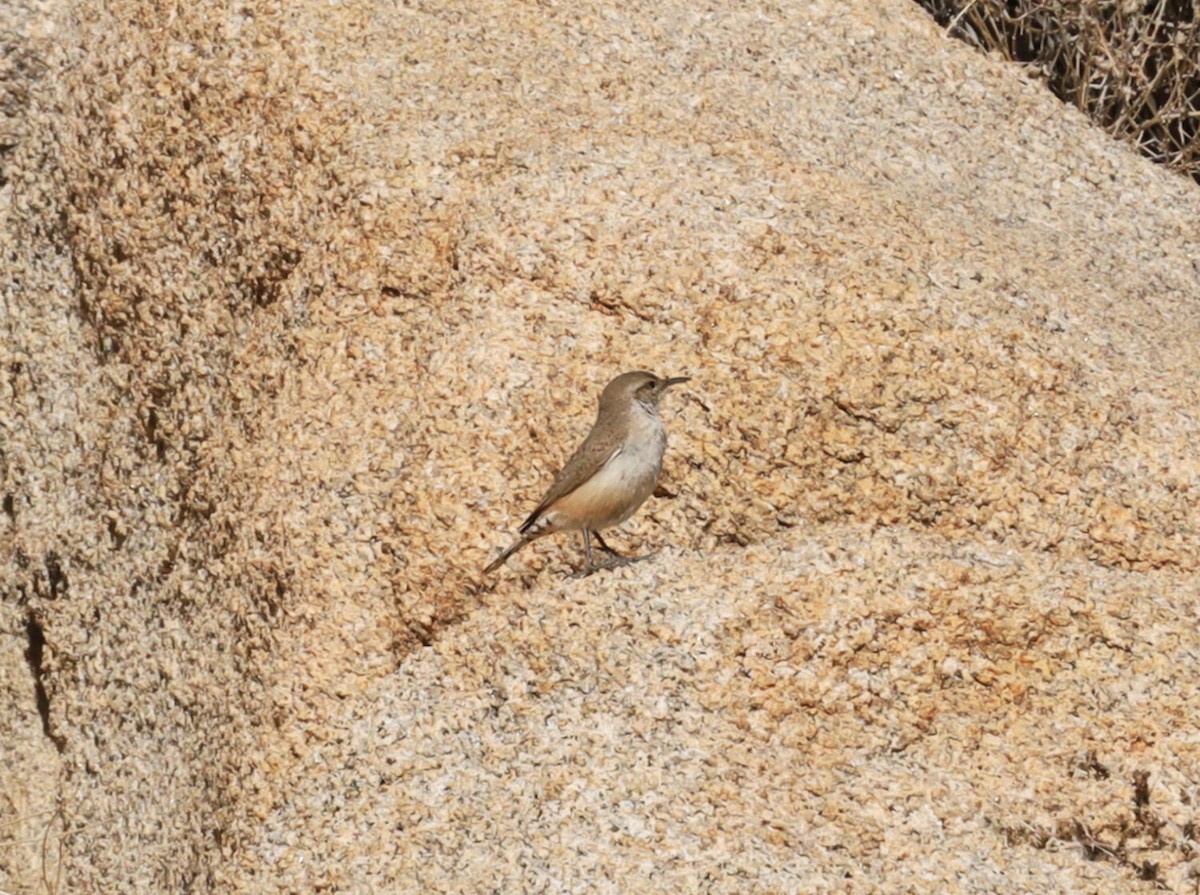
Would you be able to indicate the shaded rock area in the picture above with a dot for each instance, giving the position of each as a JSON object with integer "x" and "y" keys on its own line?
{"x": 306, "y": 303}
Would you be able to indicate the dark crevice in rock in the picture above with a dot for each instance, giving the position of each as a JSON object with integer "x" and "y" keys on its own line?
{"x": 34, "y": 656}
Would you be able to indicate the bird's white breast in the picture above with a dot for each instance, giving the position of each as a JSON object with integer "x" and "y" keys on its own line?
{"x": 623, "y": 483}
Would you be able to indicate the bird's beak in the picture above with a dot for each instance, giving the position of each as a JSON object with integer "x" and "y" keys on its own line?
{"x": 675, "y": 380}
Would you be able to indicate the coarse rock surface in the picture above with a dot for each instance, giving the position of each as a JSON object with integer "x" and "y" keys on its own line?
{"x": 306, "y": 302}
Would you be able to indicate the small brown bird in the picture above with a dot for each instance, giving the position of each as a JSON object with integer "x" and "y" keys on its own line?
{"x": 613, "y": 471}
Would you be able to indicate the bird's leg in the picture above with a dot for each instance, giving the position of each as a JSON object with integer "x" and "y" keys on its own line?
{"x": 619, "y": 559}
{"x": 587, "y": 551}
{"x": 588, "y": 569}
{"x": 605, "y": 547}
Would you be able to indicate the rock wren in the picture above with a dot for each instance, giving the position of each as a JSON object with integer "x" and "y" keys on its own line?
{"x": 613, "y": 471}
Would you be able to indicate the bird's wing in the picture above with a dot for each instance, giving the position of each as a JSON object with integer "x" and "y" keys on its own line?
{"x": 593, "y": 454}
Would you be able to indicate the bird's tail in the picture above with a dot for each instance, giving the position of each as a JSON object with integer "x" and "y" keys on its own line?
{"x": 503, "y": 557}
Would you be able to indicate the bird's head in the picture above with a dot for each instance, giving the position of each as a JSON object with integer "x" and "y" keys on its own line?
{"x": 640, "y": 386}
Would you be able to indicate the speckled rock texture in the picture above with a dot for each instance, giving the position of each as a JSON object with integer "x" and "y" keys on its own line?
{"x": 305, "y": 303}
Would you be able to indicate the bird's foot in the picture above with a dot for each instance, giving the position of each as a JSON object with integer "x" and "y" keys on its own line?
{"x": 618, "y": 560}
{"x": 615, "y": 561}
